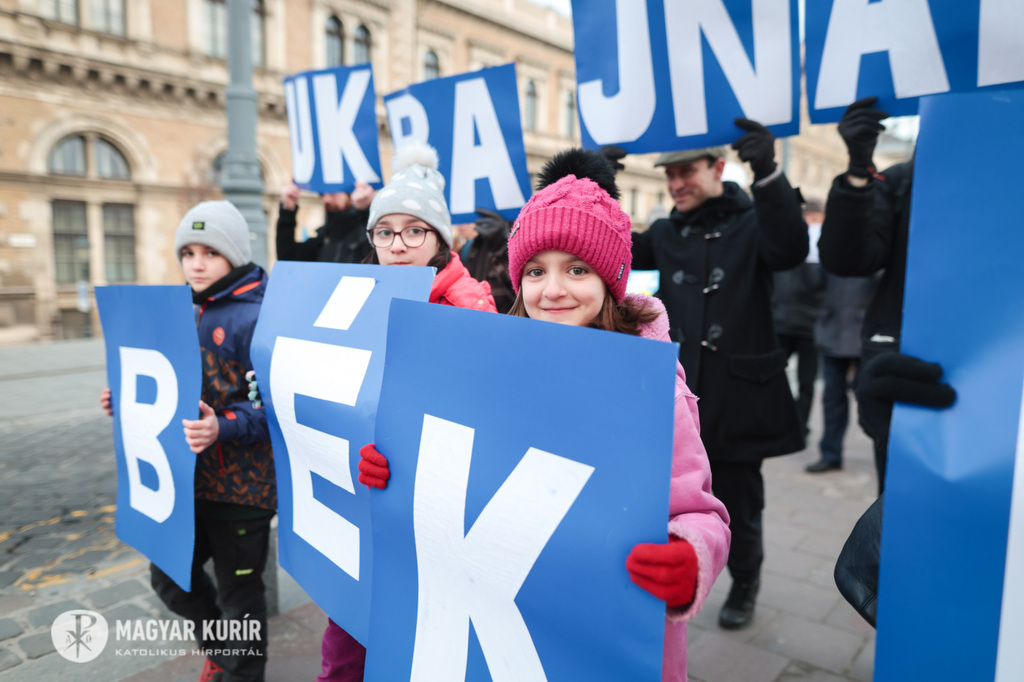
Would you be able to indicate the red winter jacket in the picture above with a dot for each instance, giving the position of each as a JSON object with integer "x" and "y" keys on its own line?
{"x": 454, "y": 286}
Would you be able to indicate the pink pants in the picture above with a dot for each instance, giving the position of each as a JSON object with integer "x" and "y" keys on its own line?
{"x": 341, "y": 656}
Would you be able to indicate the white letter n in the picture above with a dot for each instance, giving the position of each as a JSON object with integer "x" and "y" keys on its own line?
{"x": 477, "y": 575}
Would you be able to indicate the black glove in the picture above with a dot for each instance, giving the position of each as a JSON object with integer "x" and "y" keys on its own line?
{"x": 613, "y": 153}
{"x": 757, "y": 147}
{"x": 491, "y": 224}
{"x": 859, "y": 129}
{"x": 895, "y": 377}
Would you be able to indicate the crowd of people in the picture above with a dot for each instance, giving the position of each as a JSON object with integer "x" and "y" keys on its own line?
{"x": 746, "y": 281}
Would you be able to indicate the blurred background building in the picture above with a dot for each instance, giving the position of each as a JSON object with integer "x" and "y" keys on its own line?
{"x": 112, "y": 124}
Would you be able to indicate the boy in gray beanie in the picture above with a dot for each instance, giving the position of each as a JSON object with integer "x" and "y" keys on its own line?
{"x": 235, "y": 491}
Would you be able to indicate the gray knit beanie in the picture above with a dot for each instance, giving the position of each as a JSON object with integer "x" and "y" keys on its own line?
{"x": 219, "y": 225}
{"x": 416, "y": 188}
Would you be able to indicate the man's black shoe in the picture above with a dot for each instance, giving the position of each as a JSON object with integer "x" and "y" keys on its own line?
{"x": 823, "y": 465}
{"x": 739, "y": 607}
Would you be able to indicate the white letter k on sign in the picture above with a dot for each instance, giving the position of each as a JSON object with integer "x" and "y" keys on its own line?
{"x": 477, "y": 575}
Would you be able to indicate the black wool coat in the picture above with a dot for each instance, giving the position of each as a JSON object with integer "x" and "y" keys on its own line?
{"x": 716, "y": 265}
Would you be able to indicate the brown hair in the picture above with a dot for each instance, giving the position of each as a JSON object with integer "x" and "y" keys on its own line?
{"x": 626, "y": 317}
{"x": 439, "y": 261}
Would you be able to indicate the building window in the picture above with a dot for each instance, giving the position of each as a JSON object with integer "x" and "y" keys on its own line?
{"x": 70, "y": 242}
{"x": 64, "y": 11}
{"x": 110, "y": 163}
{"x": 633, "y": 202}
{"x": 119, "y": 242}
{"x": 431, "y": 66}
{"x": 107, "y": 16}
{"x": 259, "y": 16}
{"x": 215, "y": 28}
{"x": 530, "y": 113}
{"x": 335, "y": 42}
{"x": 570, "y": 114}
{"x": 362, "y": 45}
{"x": 68, "y": 157}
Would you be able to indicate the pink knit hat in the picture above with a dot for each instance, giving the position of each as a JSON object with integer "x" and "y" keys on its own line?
{"x": 576, "y": 211}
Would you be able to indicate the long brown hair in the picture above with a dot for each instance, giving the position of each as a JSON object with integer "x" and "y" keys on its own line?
{"x": 627, "y": 317}
{"x": 440, "y": 260}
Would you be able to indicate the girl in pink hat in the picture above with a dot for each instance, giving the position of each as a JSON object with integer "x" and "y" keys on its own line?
{"x": 569, "y": 258}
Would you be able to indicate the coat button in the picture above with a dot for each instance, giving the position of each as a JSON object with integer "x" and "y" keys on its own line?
{"x": 715, "y": 332}
{"x": 678, "y": 276}
{"x": 717, "y": 275}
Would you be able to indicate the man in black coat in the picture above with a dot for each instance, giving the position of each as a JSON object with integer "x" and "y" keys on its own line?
{"x": 716, "y": 253}
{"x": 342, "y": 239}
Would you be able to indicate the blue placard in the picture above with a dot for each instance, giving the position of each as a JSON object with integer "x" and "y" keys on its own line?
{"x": 526, "y": 461}
{"x": 318, "y": 351}
{"x": 948, "y": 583}
{"x": 154, "y": 373}
{"x": 332, "y": 126}
{"x": 659, "y": 76}
{"x": 472, "y": 120}
{"x": 900, "y": 51}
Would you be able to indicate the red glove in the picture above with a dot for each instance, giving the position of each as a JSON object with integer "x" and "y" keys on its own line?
{"x": 668, "y": 571}
{"x": 373, "y": 467}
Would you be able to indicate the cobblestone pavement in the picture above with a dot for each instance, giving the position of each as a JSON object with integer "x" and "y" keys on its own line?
{"x": 58, "y": 551}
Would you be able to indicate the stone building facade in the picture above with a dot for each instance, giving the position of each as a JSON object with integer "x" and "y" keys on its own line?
{"x": 112, "y": 124}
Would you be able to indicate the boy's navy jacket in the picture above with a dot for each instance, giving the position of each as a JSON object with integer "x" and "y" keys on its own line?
{"x": 239, "y": 467}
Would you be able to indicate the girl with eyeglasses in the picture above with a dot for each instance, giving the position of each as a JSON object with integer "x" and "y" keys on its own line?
{"x": 409, "y": 224}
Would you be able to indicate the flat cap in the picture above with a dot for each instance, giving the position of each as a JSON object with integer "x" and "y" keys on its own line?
{"x": 689, "y": 156}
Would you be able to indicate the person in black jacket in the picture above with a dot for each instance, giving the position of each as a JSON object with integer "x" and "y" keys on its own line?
{"x": 342, "y": 239}
{"x": 715, "y": 254}
{"x": 867, "y": 221}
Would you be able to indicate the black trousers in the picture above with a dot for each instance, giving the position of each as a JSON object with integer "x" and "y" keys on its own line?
{"x": 806, "y": 371}
{"x": 740, "y": 487}
{"x": 239, "y": 550}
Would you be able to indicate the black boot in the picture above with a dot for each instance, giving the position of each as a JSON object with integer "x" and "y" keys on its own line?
{"x": 739, "y": 607}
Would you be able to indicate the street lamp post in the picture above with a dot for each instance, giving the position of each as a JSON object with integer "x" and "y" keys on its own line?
{"x": 241, "y": 181}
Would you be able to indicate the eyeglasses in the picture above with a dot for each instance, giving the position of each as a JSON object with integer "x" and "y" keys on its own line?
{"x": 383, "y": 237}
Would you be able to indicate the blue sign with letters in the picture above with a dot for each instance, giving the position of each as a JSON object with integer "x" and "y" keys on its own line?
{"x": 526, "y": 462}
{"x": 318, "y": 352}
{"x": 472, "y": 120}
{"x": 332, "y": 125}
{"x": 154, "y": 373}
{"x": 901, "y": 51}
{"x": 952, "y": 568}
{"x": 659, "y": 76}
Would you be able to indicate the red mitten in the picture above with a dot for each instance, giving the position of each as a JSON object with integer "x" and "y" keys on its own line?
{"x": 373, "y": 467}
{"x": 668, "y": 571}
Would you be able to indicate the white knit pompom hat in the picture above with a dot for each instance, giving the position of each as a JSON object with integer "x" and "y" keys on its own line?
{"x": 416, "y": 188}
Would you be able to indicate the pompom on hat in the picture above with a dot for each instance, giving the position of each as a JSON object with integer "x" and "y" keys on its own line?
{"x": 416, "y": 188}
{"x": 219, "y": 225}
{"x": 575, "y": 210}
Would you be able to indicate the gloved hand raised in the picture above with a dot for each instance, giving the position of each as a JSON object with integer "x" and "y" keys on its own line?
{"x": 490, "y": 224}
{"x": 757, "y": 147}
{"x": 668, "y": 571}
{"x": 373, "y": 467}
{"x": 859, "y": 129}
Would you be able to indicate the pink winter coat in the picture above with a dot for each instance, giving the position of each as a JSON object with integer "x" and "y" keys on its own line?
{"x": 695, "y": 515}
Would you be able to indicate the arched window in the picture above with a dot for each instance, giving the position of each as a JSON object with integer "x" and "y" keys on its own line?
{"x": 570, "y": 114}
{"x": 107, "y": 16}
{"x": 530, "y": 113}
{"x": 91, "y": 156}
{"x": 362, "y": 45}
{"x": 431, "y": 66}
{"x": 335, "y": 42}
{"x": 259, "y": 16}
{"x": 68, "y": 157}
